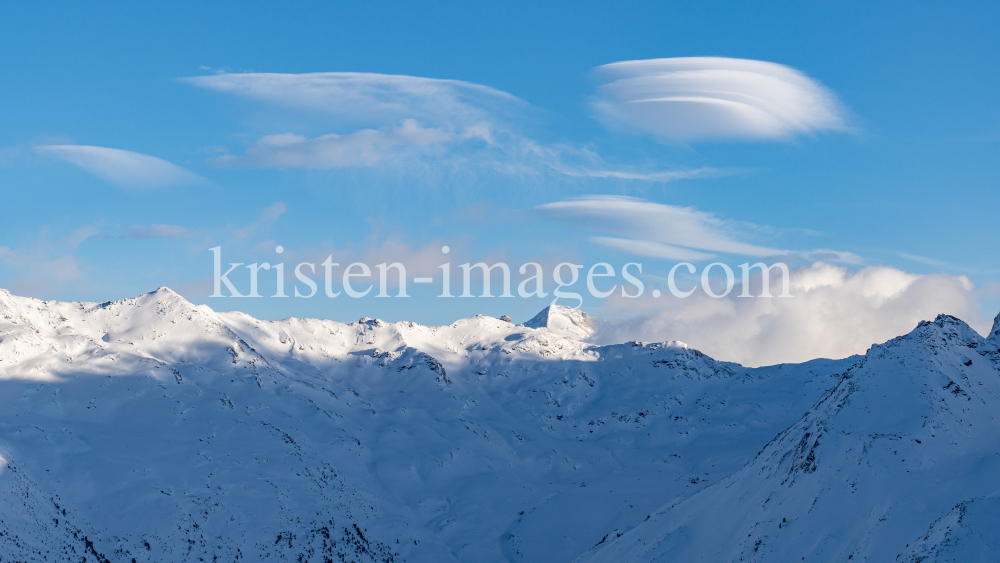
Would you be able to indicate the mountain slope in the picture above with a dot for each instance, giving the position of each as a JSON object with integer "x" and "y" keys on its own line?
{"x": 898, "y": 462}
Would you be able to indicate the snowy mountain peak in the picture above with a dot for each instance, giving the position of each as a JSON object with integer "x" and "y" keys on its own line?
{"x": 564, "y": 321}
{"x": 164, "y": 291}
{"x": 163, "y": 295}
{"x": 995, "y": 334}
{"x": 946, "y": 327}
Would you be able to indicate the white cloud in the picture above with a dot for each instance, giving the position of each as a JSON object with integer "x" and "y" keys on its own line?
{"x": 652, "y": 249}
{"x": 644, "y": 222}
{"x": 833, "y": 313}
{"x": 366, "y": 147}
{"x": 519, "y": 154}
{"x": 121, "y": 167}
{"x": 700, "y": 98}
{"x": 661, "y": 176}
{"x": 456, "y": 124}
{"x": 359, "y": 96}
{"x": 477, "y": 146}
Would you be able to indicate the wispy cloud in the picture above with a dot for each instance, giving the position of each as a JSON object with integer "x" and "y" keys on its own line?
{"x": 647, "y": 221}
{"x": 415, "y": 120}
{"x": 366, "y": 147}
{"x": 945, "y": 264}
{"x": 157, "y": 232}
{"x": 652, "y": 249}
{"x": 45, "y": 264}
{"x": 121, "y": 167}
{"x": 477, "y": 146}
{"x": 268, "y": 217}
{"x": 38, "y": 276}
{"x": 10, "y": 155}
{"x": 522, "y": 155}
{"x": 654, "y": 176}
{"x": 361, "y": 96}
{"x": 701, "y": 98}
{"x": 658, "y": 230}
{"x": 74, "y": 262}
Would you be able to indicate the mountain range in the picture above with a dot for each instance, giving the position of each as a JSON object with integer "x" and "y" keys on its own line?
{"x": 152, "y": 429}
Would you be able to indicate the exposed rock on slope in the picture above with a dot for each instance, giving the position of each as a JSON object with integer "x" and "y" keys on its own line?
{"x": 995, "y": 333}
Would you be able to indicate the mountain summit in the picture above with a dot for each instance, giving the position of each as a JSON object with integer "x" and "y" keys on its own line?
{"x": 564, "y": 321}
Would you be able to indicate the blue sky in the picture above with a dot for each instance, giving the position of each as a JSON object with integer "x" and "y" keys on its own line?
{"x": 491, "y": 112}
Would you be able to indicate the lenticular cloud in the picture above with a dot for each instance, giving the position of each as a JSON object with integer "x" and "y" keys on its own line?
{"x": 369, "y": 97}
{"x": 703, "y": 98}
{"x": 121, "y": 167}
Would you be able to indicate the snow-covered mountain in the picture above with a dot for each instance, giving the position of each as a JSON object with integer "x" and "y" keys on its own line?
{"x": 151, "y": 429}
{"x": 899, "y": 461}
